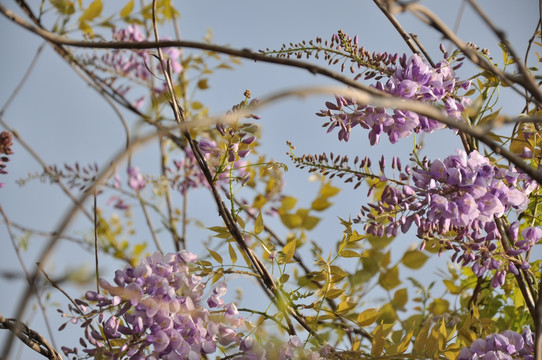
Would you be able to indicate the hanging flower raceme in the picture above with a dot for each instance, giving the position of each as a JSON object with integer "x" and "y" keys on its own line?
{"x": 457, "y": 201}
{"x": 411, "y": 79}
{"x": 155, "y": 310}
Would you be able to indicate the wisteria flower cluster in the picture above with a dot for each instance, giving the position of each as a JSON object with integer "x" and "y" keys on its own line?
{"x": 226, "y": 158}
{"x": 155, "y": 310}
{"x": 411, "y": 79}
{"x": 6, "y": 142}
{"x": 457, "y": 201}
{"x": 186, "y": 173}
{"x": 508, "y": 345}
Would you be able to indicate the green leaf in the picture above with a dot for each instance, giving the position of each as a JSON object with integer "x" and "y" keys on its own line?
{"x": 127, "y": 9}
{"x": 289, "y": 250}
{"x": 389, "y": 278}
{"x": 258, "y": 224}
{"x": 368, "y": 317}
{"x": 414, "y": 259}
{"x": 93, "y": 11}
{"x": 215, "y": 256}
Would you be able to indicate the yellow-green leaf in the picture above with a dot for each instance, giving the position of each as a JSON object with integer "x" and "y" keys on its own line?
{"x": 65, "y": 7}
{"x": 93, "y": 11}
{"x": 288, "y": 202}
{"x": 345, "y": 306}
{"x": 196, "y": 105}
{"x": 349, "y": 253}
{"x": 289, "y": 250}
{"x": 309, "y": 222}
{"x": 414, "y": 259}
{"x": 439, "y": 307}
{"x": 240, "y": 221}
{"x": 233, "y": 254}
{"x": 403, "y": 346}
{"x": 379, "y": 341}
{"x": 320, "y": 203}
{"x": 389, "y": 278}
{"x": 400, "y": 298}
{"x": 368, "y": 317}
{"x": 452, "y": 287}
{"x": 328, "y": 190}
{"x": 334, "y": 293}
{"x": 258, "y": 224}
{"x": 127, "y": 9}
{"x": 85, "y": 27}
{"x": 203, "y": 84}
{"x": 216, "y": 256}
{"x": 222, "y": 232}
{"x": 386, "y": 259}
{"x": 291, "y": 221}
{"x": 421, "y": 339}
{"x": 337, "y": 274}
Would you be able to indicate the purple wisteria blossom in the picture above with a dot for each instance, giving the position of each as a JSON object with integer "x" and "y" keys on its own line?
{"x": 155, "y": 311}
{"x": 457, "y": 201}
{"x": 135, "y": 179}
{"x": 508, "y": 345}
{"x": 411, "y": 79}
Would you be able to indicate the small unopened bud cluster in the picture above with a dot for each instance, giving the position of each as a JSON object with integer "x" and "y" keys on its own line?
{"x": 6, "y": 142}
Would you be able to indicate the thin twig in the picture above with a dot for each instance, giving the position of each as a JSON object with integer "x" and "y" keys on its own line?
{"x": 432, "y": 20}
{"x": 398, "y": 26}
{"x": 23, "y": 80}
{"x": 520, "y": 63}
{"x": 27, "y": 273}
{"x": 243, "y": 53}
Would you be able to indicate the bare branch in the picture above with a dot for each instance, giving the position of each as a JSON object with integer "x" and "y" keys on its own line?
{"x": 30, "y": 338}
